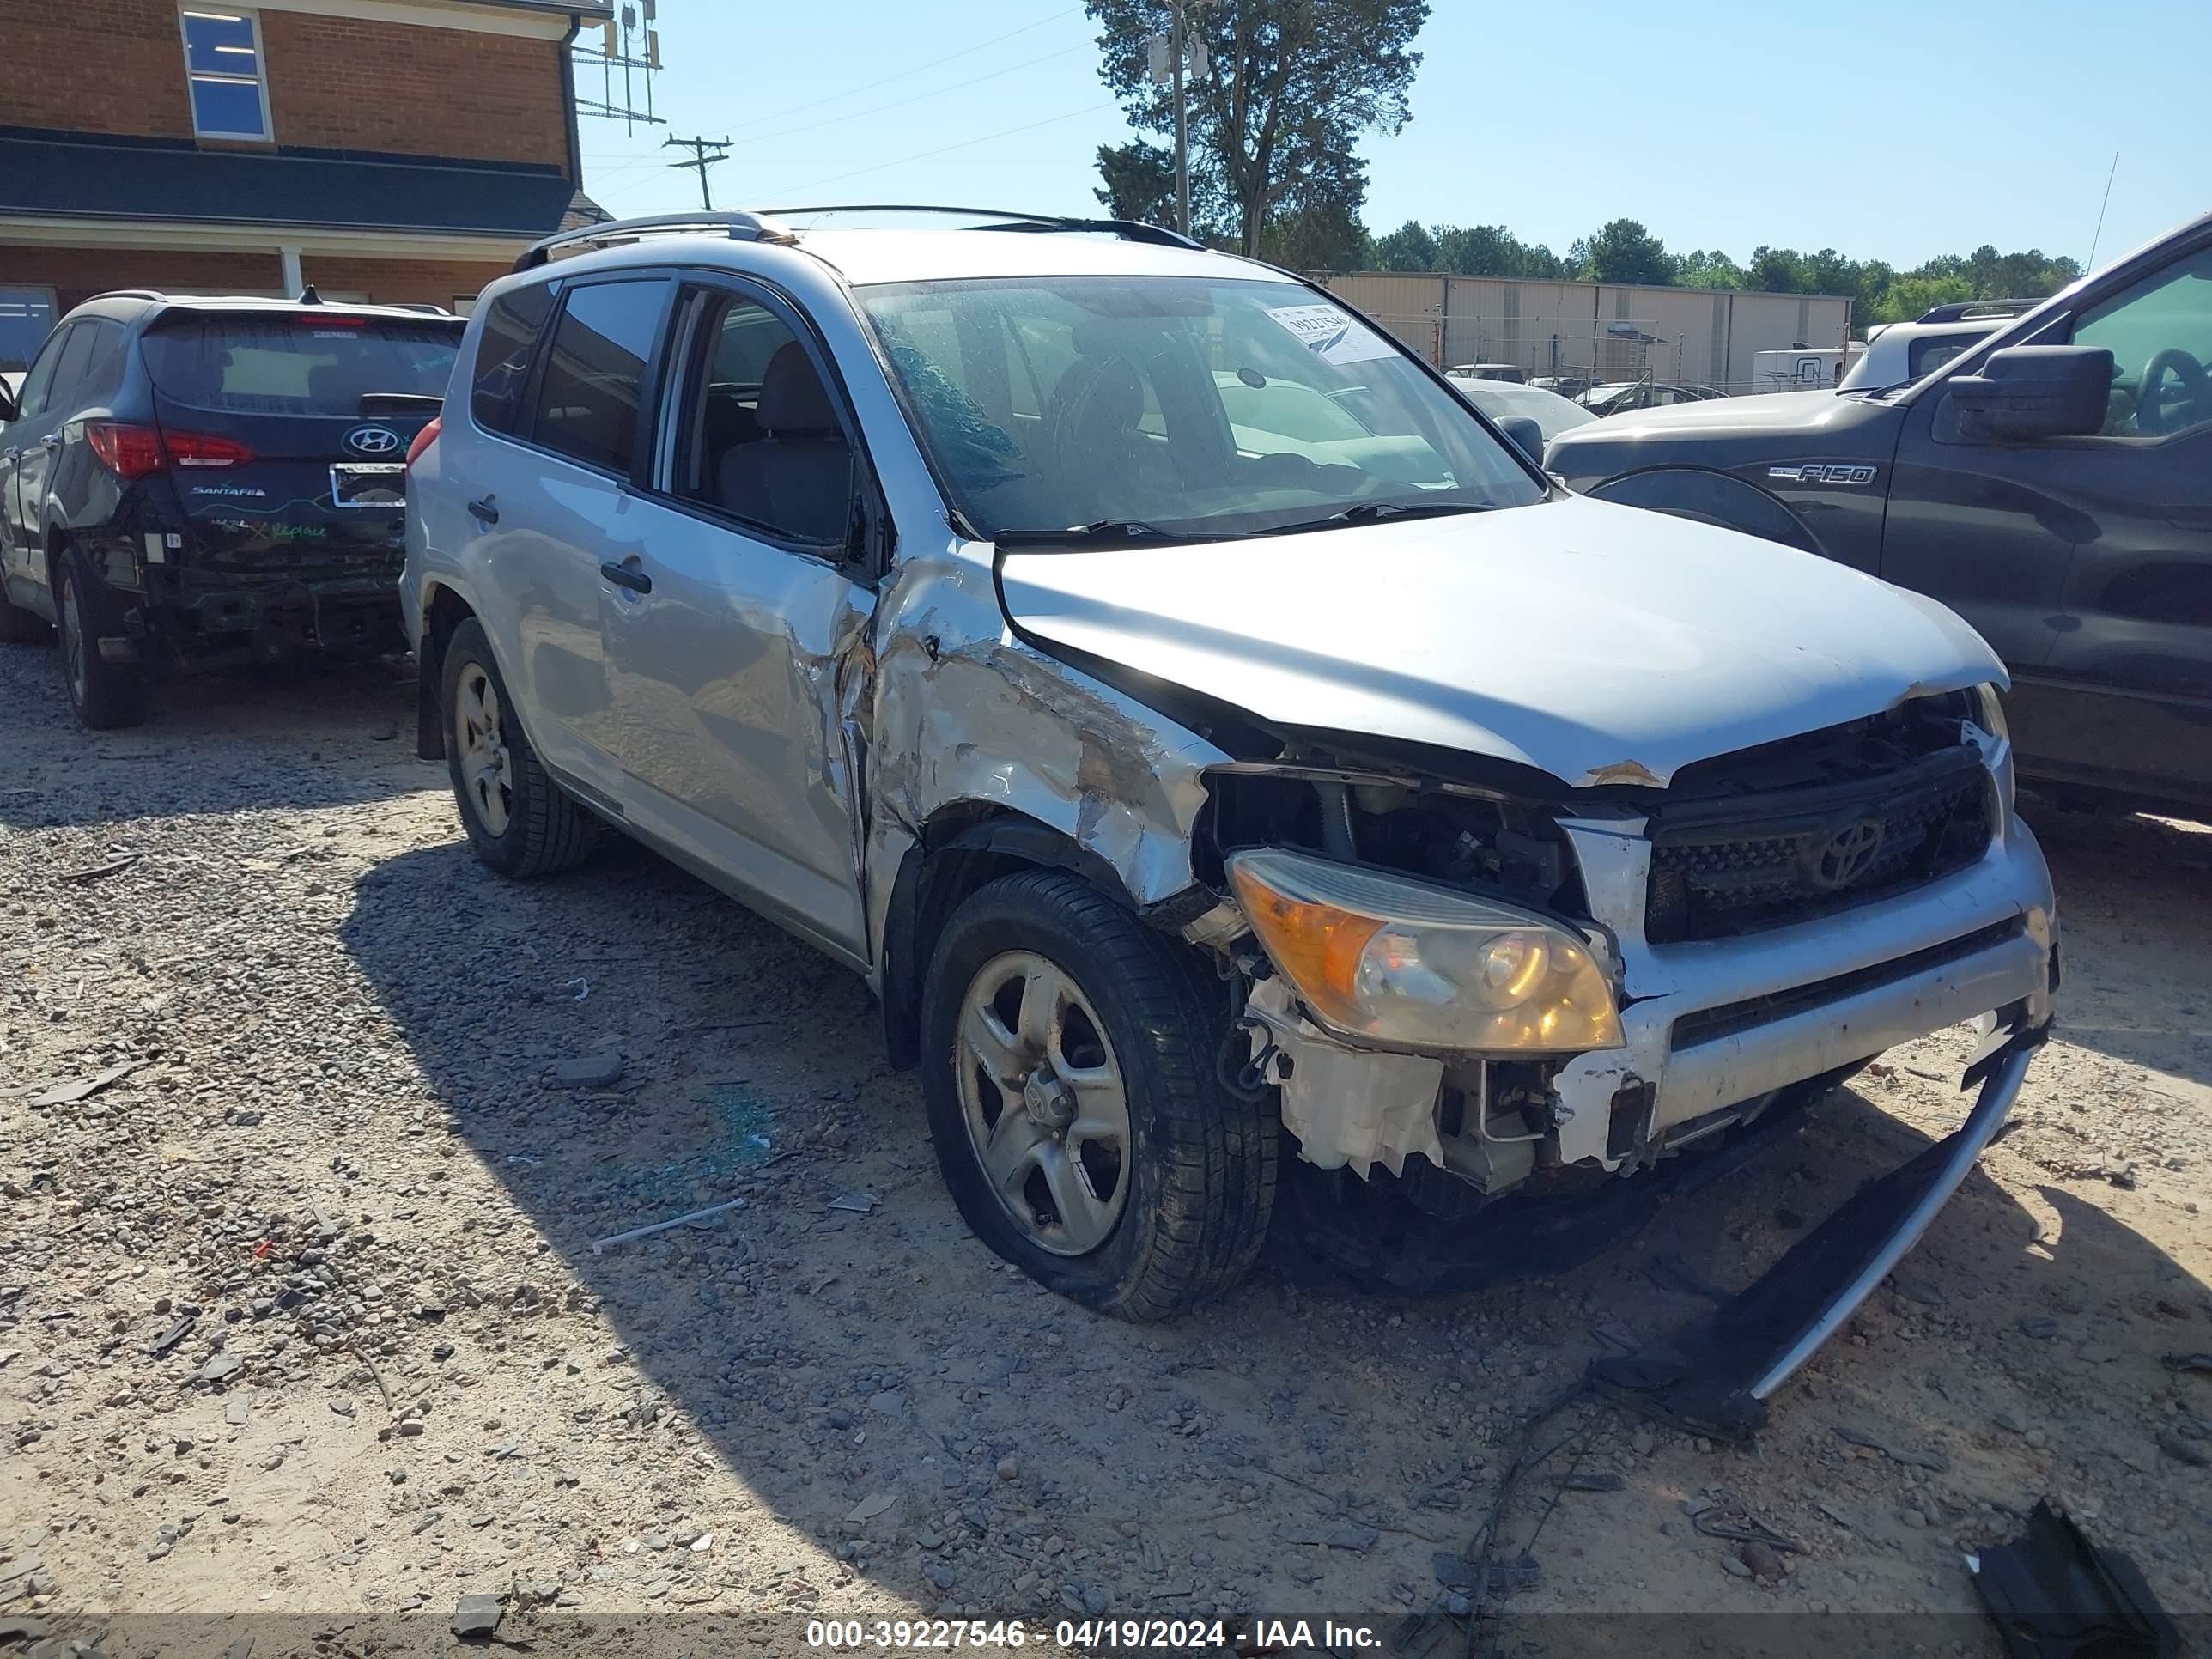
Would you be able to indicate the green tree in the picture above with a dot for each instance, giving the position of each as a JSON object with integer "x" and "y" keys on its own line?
{"x": 1622, "y": 250}
{"x": 1293, "y": 85}
{"x": 1708, "y": 268}
{"x": 1775, "y": 269}
{"x": 1139, "y": 181}
{"x": 1409, "y": 247}
{"x": 1492, "y": 250}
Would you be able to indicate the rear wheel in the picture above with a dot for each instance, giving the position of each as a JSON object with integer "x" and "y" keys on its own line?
{"x": 1073, "y": 1102}
{"x": 104, "y": 695}
{"x": 517, "y": 819}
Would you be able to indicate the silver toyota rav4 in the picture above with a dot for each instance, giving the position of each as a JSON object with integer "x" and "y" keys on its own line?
{"x": 1245, "y": 779}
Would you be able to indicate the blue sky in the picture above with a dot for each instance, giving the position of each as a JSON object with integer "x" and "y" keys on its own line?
{"x": 1883, "y": 129}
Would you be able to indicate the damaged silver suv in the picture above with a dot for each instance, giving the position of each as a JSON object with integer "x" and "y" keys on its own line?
{"x": 1246, "y": 781}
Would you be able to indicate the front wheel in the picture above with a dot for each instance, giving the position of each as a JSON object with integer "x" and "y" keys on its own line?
{"x": 1073, "y": 1103}
{"x": 104, "y": 695}
{"x": 517, "y": 819}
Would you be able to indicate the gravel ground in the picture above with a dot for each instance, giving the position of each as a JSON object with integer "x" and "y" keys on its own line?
{"x": 299, "y": 1307}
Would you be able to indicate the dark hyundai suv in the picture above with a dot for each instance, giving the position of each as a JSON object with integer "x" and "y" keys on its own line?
{"x": 200, "y": 483}
{"x": 2052, "y": 484}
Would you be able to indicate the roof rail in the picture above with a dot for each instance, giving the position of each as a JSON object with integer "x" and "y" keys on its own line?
{"x": 1129, "y": 230}
{"x": 739, "y": 226}
{"x": 132, "y": 293}
{"x": 1960, "y": 311}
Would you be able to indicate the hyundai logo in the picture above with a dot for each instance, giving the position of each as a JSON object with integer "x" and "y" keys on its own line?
{"x": 374, "y": 441}
{"x": 1849, "y": 854}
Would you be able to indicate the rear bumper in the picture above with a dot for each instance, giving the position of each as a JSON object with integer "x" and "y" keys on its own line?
{"x": 209, "y": 622}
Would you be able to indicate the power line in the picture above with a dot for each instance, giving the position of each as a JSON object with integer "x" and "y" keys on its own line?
{"x": 924, "y": 156}
{"x": 870, "y": 86}
{"x": 701, "y": 161}
{"x": 936, "y": 92}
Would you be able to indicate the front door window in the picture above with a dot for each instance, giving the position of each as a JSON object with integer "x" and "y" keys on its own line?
{"x": 2160, "y": 333}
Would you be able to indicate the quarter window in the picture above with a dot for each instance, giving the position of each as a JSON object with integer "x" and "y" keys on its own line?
{"x": 503, "y": 353}
{"x": 588, "y": 396}
{"x": 223, "y": 68}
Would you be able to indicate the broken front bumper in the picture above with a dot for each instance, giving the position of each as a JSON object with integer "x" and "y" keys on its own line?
{"x": 1714, "y": 1026}
{"x": 1716, "y": 1376}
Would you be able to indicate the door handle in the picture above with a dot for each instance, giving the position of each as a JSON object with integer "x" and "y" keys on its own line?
{"x": 627, "y": 575}
{"x": 10, "y": 453}
{"x": 52, "y": 441}
{"x": 484, "y": 510}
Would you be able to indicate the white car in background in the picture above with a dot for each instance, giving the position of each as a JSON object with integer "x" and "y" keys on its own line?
{"x": 1901, "y": 353}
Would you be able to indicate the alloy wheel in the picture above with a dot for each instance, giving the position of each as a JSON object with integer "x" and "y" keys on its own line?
{"x": 1045, "y": 1102}
{"x": 480, "y": 735}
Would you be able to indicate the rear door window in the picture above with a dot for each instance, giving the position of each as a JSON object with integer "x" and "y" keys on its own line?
{"x": 294, "y": 363}
{"x": 590, "y": 391}
{"x": 69, "y": 372}
{"x": 511, "y": 331}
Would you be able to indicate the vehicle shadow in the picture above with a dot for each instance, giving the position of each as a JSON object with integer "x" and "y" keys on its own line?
{"x": 2133, "y": 893}
{"x": 958, "y": 1437}
{"x": 293, "y": 735}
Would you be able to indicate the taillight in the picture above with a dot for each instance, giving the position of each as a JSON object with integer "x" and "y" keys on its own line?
{"x": 127, "y": 451}
{"x": 199, "y": 449}
{"x": 425, "y": 438}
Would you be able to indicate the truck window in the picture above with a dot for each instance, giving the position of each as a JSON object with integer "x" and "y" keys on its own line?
{"x": 2160, "y": 334}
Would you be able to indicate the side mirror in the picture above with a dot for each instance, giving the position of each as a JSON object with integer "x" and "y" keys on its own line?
{"x": 1525, "y": 433}
{"x": 8, "y": 408}
{"x": 2035, "y": 392}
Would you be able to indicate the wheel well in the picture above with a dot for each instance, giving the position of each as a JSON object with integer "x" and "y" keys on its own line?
{"x": 962, "y": 848}
{"x": 1710, "y": 497}
{"x": 443, "y": 611}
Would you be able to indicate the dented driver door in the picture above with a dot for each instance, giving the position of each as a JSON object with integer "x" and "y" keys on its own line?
{"x": 735, "y": 636}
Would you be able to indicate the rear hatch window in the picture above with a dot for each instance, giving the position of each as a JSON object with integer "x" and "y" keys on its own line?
{"x": 289, "y": 364}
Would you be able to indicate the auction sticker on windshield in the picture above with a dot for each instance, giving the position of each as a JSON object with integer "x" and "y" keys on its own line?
{"x": 1331, "y": 335}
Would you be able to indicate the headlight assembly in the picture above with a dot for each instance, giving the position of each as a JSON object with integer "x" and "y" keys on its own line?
{"x": 1989, "y": 714}
{"x": 1402, "y": 965}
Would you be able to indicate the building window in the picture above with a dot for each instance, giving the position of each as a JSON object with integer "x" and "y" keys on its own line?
{"x": 27, "y": 317}
{"x": 223, "y": 65}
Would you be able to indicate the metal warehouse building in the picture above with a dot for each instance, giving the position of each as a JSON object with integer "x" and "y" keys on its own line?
{"x": 1599, "y": 330}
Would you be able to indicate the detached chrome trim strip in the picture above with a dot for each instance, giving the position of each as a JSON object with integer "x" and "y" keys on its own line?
{"x": 1999, "y": 1090}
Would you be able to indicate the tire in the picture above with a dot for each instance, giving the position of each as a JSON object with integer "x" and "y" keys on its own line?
{"x": 19, "y": 626}
{"x": 1190, "y": 1184}
{"x": 104, "y": 695}
{"x": 517, "y": 819}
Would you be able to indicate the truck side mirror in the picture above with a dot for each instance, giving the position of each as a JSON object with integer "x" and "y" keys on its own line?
{"x": 2035, "y": 392}
{"x": 1526, "y": 433}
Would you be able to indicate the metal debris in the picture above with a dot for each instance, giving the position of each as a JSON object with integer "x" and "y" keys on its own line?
{"x": 68, "y": 1094}
{"x": 599, "y": 1245}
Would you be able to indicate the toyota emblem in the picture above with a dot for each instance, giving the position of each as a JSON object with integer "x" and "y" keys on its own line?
{"x": 1848, "y": 854}
{"x": 374, "y": 441}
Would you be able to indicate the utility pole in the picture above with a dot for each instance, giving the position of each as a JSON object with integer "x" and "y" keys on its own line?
{"x": 701, "y": 161}
{"x": 1182, "y": 125}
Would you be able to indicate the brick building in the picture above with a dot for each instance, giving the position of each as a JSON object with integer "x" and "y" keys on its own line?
{"x": 396, "y": 150}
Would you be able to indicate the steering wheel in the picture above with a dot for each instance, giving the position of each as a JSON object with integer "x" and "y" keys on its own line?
{"x": 2192, "y": 383}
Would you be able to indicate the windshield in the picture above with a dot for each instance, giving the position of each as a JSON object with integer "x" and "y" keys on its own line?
{"x": 1552, "y": 413}
{"x": 1174, "y": 405}
{"x": 290, "y": 364}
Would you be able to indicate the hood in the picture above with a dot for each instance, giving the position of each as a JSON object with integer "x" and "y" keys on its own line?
{"x": 1798, "y": 413}
{"x": 1601, "y": 644}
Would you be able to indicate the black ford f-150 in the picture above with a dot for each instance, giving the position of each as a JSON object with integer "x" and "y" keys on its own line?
{"x": 2053, "y": 485}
